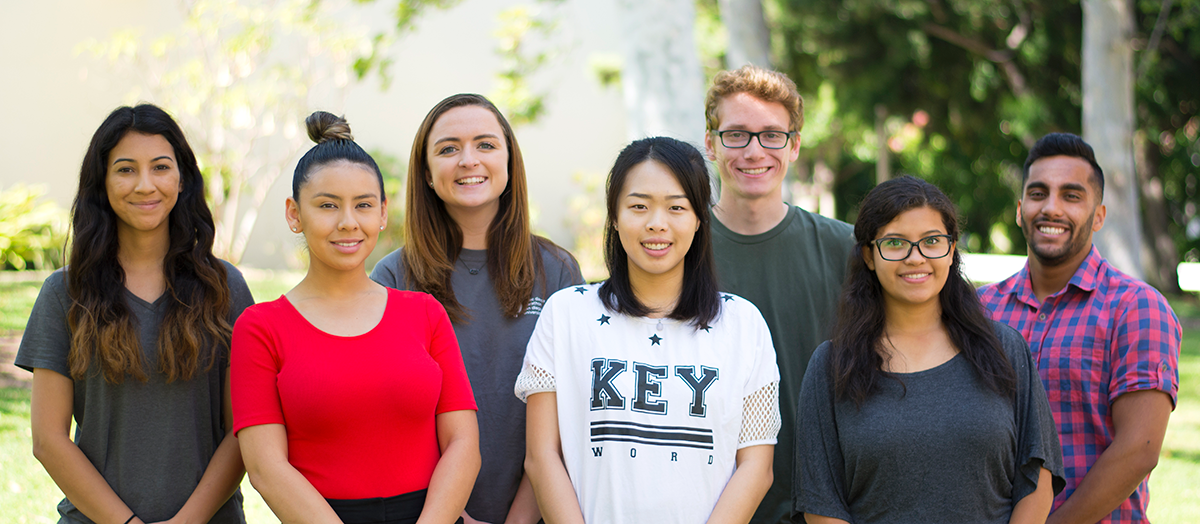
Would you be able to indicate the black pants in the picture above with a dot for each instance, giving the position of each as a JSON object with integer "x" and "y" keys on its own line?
{"x": 400, "y": 509}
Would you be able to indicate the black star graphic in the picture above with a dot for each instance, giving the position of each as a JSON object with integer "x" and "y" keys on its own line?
{"x": 727, "y": 298}
{"x": 706, "y": 328}
{"x": 580, "y": 289}
{"x": 603, "y": 319}
{"x": 655, "y": 339}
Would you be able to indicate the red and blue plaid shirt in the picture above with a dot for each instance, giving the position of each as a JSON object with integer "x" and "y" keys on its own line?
{"x": 1103, "y": 335}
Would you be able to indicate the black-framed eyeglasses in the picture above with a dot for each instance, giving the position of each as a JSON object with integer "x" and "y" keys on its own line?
{"x": 895, "y": 249}
{"x": 737, "y": 138}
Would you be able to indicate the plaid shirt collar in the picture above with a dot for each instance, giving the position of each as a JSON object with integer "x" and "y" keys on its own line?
{"x": 1086, "y": 278}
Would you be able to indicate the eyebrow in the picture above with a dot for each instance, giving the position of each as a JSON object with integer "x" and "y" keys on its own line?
{"x": 363, "y": 196}
{"x": 1071, "y": 186}
{"x": 926, "y": 234}
{"x": 155, "y": 159}
{"x": 456, "y": 139}
{"x": 648, "y": 197}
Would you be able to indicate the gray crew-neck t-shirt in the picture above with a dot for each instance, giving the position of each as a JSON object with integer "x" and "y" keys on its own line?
{"x": 941, "y": 448}
{"x": 493, "y": 347}
{"x": 793, "y": 273}
{"x": 151, "y": 441}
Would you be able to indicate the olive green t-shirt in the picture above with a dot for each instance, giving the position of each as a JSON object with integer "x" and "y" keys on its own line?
{"x": 793, "y": 274}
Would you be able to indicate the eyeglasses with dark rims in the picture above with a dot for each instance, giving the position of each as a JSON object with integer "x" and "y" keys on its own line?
{"x": 737, "y": 138}
{"x": 895, "y": 249}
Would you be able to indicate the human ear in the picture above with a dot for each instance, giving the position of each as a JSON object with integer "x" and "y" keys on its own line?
{"x": 291, "y": 213}
{"x": 868, "y": 257}
{"x": 1098, "y": 221}
{"x": 708, "y": 145}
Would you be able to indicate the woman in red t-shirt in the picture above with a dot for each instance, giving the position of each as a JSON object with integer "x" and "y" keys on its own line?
{"x": 350, "y": 400}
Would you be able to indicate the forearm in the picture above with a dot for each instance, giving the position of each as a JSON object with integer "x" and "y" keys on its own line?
{"x": 291, "y": 496}
{"x": 552, "y": 486}
{"x": 818, "y": 519}
{"x": 1034, "y": 508}
{"x": 747, "y": 487}
{"x": 79, "y": 480}
{"x": 221, "y": 478}
{"x": 524, "y": 509}
{"x": 451, "y": 483}
{"x": 1114, "y": 476}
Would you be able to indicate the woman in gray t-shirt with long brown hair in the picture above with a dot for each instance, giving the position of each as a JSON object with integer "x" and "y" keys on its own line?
{"x": 920, "y": 409}
{"x": 132, "y": 338}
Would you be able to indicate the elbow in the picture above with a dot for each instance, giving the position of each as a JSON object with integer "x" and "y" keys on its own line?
{"x": 1146, "y": 461}
{"x": 43, "y": 446}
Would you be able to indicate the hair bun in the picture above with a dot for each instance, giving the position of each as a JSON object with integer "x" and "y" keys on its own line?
{"x": 324, "y": 126}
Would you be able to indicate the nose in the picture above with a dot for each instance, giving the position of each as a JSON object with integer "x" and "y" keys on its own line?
{"x": 145, "y": 181}
{"x": 468, "y": 158}
{"x": 346, "y": 219}
{"x": 753, "y": 150}
{"x": 914, "y": 255}
{"x": 657, "y": 220}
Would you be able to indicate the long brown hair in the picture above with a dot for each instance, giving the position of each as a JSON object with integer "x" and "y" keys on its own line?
{"x": 433, "y": 240}
{"x": 196, "y": 322}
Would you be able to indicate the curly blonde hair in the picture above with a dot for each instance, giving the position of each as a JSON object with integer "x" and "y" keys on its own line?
{"x": 761, "y": 83}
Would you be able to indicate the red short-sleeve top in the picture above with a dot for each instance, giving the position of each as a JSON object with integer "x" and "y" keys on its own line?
{"x": 359, "y": 411}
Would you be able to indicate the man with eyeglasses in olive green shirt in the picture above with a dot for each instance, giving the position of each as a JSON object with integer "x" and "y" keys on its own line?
{"x": 788, "y": 262}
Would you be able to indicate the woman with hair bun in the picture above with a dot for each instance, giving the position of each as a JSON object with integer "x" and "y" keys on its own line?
{"x": 131, "y": 339}
{"x": 468, "y": 243}
{"x": 351, "y": 403}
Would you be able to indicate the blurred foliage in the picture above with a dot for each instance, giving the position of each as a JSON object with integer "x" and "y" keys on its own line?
{"x": 239, "y": 77}
{"x": 32, "y": 233}
{"x": 966, "y": 86}
{"x": 588, "y": 213}
{"x": 395, "y": 172}
{"x": 523, "y": 50}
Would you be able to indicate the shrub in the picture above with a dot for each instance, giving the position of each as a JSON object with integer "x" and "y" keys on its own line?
{"x": 32, "y": 233}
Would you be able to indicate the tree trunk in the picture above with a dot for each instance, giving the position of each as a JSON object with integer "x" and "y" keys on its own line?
{"x": 1159, "y": 249}
{"x": 662, "y": 80}
{"x": 749, "y": 37}
{"x": 1108, "y": 126}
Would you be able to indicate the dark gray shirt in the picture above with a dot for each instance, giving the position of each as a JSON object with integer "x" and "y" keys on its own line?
{"x": 493, "y": 347}
{"x": 150, "y": 441}
{"x": 941, "y": 448}
{"x": 793, "y": 274}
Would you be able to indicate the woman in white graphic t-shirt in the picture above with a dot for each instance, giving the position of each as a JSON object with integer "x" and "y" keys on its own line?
{"x": 652, "y": 397}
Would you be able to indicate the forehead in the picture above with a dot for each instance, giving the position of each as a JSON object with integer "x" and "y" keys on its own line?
{"x": 342, "y": 178}
{"x": 915, "y": 222}
{"x": 651, "y": 177}
{"x": 140, "y": 146}
{"x": 746, "y": 111}
{"x": 466, "y": 122}
{"x": 1060, "y": 171}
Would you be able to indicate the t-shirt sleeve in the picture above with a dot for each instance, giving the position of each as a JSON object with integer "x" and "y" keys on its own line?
{"x": 537, "y": 369}
{"x": 818, "y": 483}
{"x": 1037, "y": 435}
{"x": 240, "y": 298}
{"x": 47, "y": 338}
{"x": 443, "y": 347}
{"x": 761, "y": 419}
{"x": 385, "y": 271}
{"x": 1145, "y": 347}
{"x": 254, "y": 367}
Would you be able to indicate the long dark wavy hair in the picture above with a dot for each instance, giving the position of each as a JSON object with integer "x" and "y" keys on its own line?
{"x": 196, "y": 324}
{"x": 858, "y": 353}
{"x": 700, "y": 300}
{"x": 433, "y": 240}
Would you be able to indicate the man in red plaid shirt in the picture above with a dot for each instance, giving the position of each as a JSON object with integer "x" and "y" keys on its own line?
{"x": 1106, "y": 344}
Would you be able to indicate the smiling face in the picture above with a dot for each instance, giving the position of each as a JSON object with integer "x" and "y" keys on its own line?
{"x": 916, "y": 280}
{"x": 142, "y": 183}
{"x": 751, "y": 172}
{"x": 468, "y": 160}
{"x": 655, "y": 222}
{"x": 1059, "y": 210}
{"x": 340, "y": 213}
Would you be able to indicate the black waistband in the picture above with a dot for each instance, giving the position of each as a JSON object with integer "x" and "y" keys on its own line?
{"x": 404, "y": 508}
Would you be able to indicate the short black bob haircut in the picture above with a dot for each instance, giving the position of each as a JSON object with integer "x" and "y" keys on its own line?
{"x": 1064, "y": 144}
{"x": 699, "y": 301}
{"x": 334, "y": 144}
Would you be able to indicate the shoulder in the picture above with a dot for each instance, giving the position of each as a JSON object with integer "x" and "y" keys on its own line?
{"x": 390, "y": 269}
{"x": 1011, "y": 341}
{"x": 557, "y": 263}
{"x": 997, "y": 290}
{"x": 818, "y": 364}
{"x": 822, "y": 225}
{"x": 734, "y": 307}
{"x": 56, "y": 283}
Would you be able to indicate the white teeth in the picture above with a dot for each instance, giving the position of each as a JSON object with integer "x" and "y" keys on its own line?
{"x": 346, "y": 244}
{"x": 1052, "y": 230}
{"x": 915, "y": 276}
{"x": 470, "y": 181}
{"x": 755, "y": 171}
{"x": 656, "y": 246}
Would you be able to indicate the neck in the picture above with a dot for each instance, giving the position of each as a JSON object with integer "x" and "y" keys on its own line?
{"x": 750, "y": 216}
{"x": 475, "y": 223}
{"x": 140, "y": 251}
{"x": 326, "y": 282}
{"x": 660, "y": 293}
{"x": 1049, "y": 279}
{"x": 912, "y": 320}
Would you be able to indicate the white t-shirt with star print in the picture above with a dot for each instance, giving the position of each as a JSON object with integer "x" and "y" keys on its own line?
{"x": 651, "y": 412}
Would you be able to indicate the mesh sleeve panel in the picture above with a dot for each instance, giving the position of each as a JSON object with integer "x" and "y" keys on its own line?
{"x": 760, "y": 416}
{"x": 533, "y": 380}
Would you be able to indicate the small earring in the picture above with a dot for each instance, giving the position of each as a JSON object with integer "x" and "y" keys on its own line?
{"x": 381, "y": 228}
{"x": 431, "y": 184}
{"x": 294, "y": 230}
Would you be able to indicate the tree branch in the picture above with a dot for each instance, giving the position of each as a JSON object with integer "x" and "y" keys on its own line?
{"x": 1003, "y": 58}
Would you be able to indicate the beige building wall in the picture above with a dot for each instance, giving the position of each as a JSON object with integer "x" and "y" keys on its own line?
{"x": 56, "y": 99}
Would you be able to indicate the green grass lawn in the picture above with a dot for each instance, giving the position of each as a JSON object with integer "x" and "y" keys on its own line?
{"x": 27, "y": 495}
